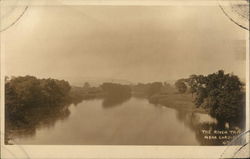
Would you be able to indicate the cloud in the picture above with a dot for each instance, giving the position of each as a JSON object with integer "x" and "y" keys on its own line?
{"x": 132, "y": 43}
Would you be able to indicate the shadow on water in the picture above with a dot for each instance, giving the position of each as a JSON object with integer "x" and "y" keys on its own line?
{"x": 111, "y": 101}
{"x": 28, "y": 121}
{"x": 35, "y": 118}
{"x": 211, "y": 131}
{"x": 208, "y": 131}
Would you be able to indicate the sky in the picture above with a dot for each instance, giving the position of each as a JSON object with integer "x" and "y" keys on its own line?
{"x": 134, "y": 43}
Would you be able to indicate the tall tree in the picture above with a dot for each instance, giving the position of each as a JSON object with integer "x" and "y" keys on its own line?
{"x": 221, "y": 93}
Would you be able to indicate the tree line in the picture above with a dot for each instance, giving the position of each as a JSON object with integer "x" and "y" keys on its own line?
{"x": 153, "y": 88}
{"x": 27, "y": 93}
{"x": 222, "y": 93}
{"x": 115, "y": 89}
{"x": 29, "y": 100}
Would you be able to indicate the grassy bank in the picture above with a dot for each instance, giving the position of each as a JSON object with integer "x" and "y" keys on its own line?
{"x": 176, "y": 101}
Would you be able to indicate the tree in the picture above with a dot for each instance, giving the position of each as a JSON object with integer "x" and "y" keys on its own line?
{"x": 31, "y": 102}
{"x": 181, "y": 86}
{"x": 86, "y": 85}
{"x": 192, "y": 82}
{"x": 23, "y": 93}
{"x": 154, "y": 88}
{"x": 221, "y": 93}
{"x": 195, "y": 83}
{"x": 116, "y": 90}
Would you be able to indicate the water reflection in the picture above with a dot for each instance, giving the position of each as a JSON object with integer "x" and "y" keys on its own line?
{"x": 219, "y": 134}
{"x": 211, "y": 131}
{"x": 26, "y": 125}
{"x": 112, "y": 101}
{"x": 35, "y": 118}
{"x": 135, "y": 121}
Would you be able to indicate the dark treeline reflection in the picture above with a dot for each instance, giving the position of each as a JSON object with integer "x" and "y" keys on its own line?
{"x": 31, "y": 103}
{"x": 37, "y": 118}
{"x": 112, "y": 101}
{"x": 115, "y": 94}
{"x": 221, "y": 133}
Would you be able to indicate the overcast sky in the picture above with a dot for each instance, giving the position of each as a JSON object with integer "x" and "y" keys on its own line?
{"x": 132, "y": 43}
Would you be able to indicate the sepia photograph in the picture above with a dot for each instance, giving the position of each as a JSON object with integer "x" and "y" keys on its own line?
{"x": 128, "y": 75}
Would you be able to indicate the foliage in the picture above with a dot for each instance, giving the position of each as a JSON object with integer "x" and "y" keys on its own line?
{"x": 150, "y": 89}
{"x": 116, "y": 90}
{"x": 27, "y": 93}
{"x": 219, "y": 92}
{"x": 86, "y": 85}
{"x": 181, "y": 86}
{"x": 154, "y": 88}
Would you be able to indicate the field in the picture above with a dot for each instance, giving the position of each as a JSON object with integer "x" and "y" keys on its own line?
{"x": 177, "y": 101}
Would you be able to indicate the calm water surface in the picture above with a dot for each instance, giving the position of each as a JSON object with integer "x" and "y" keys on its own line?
{"x": 131, "y": 122}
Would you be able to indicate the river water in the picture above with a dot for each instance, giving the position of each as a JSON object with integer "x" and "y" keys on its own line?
{"x": 133, "y": 121}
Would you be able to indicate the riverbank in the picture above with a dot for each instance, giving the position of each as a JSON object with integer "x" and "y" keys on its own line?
{"x": 177, "y": 101}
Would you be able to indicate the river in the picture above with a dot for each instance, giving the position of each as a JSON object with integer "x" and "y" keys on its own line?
{"x": 132, "y": 121}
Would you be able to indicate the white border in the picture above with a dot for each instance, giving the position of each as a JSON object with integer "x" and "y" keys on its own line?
{"x": 75, "y": 151}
